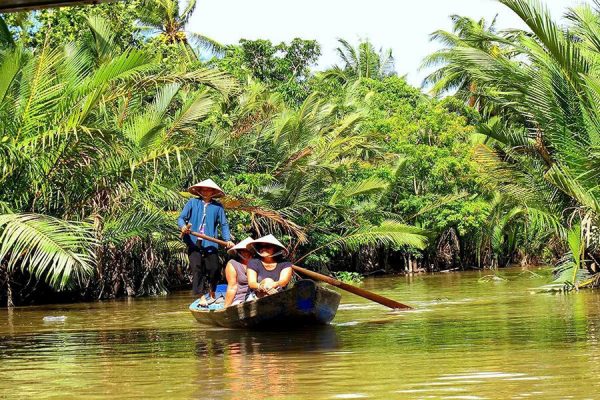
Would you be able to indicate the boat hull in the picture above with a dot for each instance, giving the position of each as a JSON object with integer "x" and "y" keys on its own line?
{"x": 306, "y": 303}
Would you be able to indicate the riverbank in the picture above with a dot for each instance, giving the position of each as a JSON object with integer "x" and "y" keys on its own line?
{"x": 136, "y": 283}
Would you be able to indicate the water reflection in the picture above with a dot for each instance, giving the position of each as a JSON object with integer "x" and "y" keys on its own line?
{"x": 253, "y": 364}
{"x": 215, "y": 342}
{"x": 238, "y": 370}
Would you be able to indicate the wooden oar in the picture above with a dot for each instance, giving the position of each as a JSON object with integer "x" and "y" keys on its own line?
{"x": 352, "y": 289}
{"x": 209, "y": 238}
{"x": 328, "y": 279}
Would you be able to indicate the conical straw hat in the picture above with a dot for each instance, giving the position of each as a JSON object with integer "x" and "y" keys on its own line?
{"x": 208, "y": 183}
{"x": 270, "y": 239}
{"x": 240, "y": 246}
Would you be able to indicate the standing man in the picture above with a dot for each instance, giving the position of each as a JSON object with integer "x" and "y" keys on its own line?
{"x": 203, "y": 215}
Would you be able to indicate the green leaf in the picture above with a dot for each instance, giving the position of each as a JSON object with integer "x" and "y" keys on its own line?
{"x": 47, "y": 247}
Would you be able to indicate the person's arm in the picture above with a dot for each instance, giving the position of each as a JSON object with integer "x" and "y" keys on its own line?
{"x": 252, "y": 278}
{"x": 225, "y": 233}
{"x": 232, "y": 284}
{"x": 185, "y": 215}
{"x": 285, "y": 276}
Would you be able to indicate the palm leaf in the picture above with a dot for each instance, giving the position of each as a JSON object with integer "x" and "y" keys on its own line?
{"x": 354, "y": 189}
{"x": 388, "y": 233}
{"x": 187, "y": 117}
{"x": 6, "y": 38}
{"x": 206, "y": 43}
{"x": 47, "y": 247}
{"x": 216, "y": 79}
{"x": 10, "y": 65}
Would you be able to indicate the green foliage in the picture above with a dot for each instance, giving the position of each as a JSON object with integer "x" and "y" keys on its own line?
{"x": 283, "y": 67}
{"x": 69, "y": 24}
{"x": 109, "y": 112}
{"x": 348, "y": 277}
{"x": 538, "y": 95}
{"x": 362, "y": 61}
{"x": 49, "y": 248}
{"x": 107, "y": 136}
{"x": 90, "y": 139}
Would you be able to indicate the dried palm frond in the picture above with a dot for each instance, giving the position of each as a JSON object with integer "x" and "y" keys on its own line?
{"x": 265, "y": 220}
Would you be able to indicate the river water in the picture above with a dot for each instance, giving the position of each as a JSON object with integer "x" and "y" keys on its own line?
{"x": 465, "y": 339}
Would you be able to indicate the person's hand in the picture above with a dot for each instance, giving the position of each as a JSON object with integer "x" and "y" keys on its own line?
{"x": 268, "y": 285}
{"x": 261, "y": 287}
{"x": 186, "y": 229}
{"x": 230, "y": 244}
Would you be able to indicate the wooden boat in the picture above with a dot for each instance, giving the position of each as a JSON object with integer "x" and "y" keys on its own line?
{"x": 305, "y": 303}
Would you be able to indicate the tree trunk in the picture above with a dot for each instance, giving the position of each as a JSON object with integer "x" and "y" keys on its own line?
{"x": 9, "y": 292}
{"x": 472, "y": 98}
{"x": 386, "y": 261}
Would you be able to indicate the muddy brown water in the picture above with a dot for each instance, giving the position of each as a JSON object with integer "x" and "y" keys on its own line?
{"x": 465, "y": 339}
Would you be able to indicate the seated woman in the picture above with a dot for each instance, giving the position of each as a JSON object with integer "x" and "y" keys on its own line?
{"x": 271, "y": 273}
{"x": 235, "y": 272}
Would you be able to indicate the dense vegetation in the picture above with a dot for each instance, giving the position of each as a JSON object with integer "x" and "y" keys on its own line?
{"x": 104, "y": 125}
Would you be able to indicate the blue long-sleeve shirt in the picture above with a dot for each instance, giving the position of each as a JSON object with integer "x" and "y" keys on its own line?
{"x": 193, "y": 213}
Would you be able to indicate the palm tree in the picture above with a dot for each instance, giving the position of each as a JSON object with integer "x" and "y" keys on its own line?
{"x": 363, "y": 61}
{"x": 540, "y": 148}
{"x": 169, "y": 19}
{"x": 312, "y": 147}
{"x": 450, "y": 77}
{"x": 84, "y": 153}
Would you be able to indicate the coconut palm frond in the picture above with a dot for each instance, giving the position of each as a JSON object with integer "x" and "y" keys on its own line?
{"x": 102, "y": 43}
{"x": 346, "y": 192}
{"x": 362, "y": 61}
{"x": 206, "y": 43}
{"x": 135, "y": 223}
{"x": 10, "y": 65}
{"x": 545, "y": 221}
{"x": 564, "y": 181}
{"x": 449, "y": 75}
{"x": 213, "y": 78}
{"x": 49, "y": 248}
{"x": 195, "y": 108}
{"x": 146, "y": 128}
{"x": 389, "y": 233}
{"x": 260, "y": 215}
